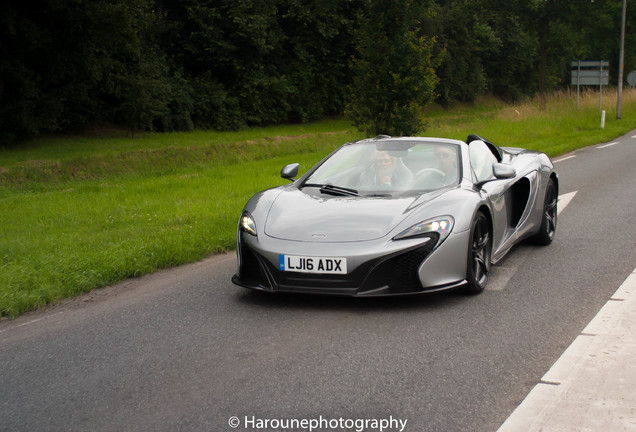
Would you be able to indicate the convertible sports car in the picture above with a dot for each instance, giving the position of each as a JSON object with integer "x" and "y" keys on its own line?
{"x": 390, "y": 216}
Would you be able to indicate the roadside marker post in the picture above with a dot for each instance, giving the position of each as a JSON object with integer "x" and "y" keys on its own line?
{"x": 603, "y": 119}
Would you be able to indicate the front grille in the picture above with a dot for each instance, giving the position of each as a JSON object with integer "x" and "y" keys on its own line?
{"x": 252, "y": 271}
{"x": 404, "y": 276}
{"x": 399, "y": 273}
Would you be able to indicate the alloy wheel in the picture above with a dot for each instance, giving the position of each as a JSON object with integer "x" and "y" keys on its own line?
{"x": 480, "y": 250}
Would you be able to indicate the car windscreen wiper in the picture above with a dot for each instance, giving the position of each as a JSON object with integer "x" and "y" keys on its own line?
{"x": 330, "y": 189}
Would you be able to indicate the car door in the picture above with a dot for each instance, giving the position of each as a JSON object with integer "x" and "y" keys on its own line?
{"x": 481, "y": 161}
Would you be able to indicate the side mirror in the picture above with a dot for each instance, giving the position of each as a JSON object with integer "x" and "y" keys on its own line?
{"x": 503, "y": 171}
{"x": 289, "y": 172}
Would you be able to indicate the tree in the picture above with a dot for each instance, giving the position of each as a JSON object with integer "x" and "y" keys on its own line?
{"x": 511, "y": 66}
{"x": 465, "y": 41}
{"x": 393, "y": 73}
{"x": 550, "y": 19}
{"x": 261, "y": 62}
{"x": 226, "y": 64}
{"x": 67, "y": 63}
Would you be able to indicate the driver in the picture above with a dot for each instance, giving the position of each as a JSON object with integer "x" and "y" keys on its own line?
{"x": 446, "y": 159}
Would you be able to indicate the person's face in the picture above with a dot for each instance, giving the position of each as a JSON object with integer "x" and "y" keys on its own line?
{"x": 446, "y": 159}
{"x": 384, "y": 163}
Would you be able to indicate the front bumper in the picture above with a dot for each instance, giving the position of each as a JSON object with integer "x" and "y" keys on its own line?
{"x": 375, "y": 268}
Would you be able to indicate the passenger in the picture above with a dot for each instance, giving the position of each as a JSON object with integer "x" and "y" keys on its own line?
{"x": 386, "y": 170}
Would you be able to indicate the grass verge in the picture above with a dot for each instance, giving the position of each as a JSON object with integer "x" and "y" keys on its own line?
{"x": 80, "y": 212}
{"x": 556, "y": 129}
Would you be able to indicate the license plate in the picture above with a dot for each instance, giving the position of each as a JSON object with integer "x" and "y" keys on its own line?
{"x": 319, "y": 265}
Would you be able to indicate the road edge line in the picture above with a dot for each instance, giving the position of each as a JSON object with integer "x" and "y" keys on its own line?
{"x": 591, "y": 384}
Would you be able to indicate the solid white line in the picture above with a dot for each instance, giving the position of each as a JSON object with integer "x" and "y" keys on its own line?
{"x": 564, "y": 200}
{"x": 564, "y": 158}
{"x": 590, "y": 387}
{"x": 633, "y": 136}
{"x": 33, "y": 321}
{"x": 609, "y": 145}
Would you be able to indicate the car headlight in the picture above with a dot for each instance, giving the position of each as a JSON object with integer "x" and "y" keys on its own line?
{"x": 246, "y": 224}
{"x": 442, "y": 226}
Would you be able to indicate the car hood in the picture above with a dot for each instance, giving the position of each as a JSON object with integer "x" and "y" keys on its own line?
{"x": 303, "y": 216}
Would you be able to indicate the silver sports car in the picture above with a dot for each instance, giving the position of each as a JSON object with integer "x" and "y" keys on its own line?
{"x": 389, "y": 216}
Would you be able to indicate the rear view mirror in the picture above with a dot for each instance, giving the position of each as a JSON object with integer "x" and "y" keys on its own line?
{"x": 290, "y": 171}
{"x": 503, "y": 171}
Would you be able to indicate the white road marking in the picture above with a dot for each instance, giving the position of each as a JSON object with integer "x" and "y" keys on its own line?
{"x": 608, "y": 145}
{"x": 564, "y": 158}
{"x": 501, "y": 275}
{"x": 592, "y": 382}
{"x": 564, "y": 200}
{"x": 33, "y": 321}
{"x": 633, "y": 136}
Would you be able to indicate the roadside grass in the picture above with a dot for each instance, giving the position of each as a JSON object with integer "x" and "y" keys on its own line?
{"x": 80, "y": 212}
{"x": 557, "y": 129}
{"x": 67, "y": 240}
{"x": 112, "y": 143}
{"x": 90, "y": 217}
{"x": 69, "y": 158}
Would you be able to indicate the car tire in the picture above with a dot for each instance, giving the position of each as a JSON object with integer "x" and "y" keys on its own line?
{"x": 549, "y": 216}
{"x": 479, "y": 252}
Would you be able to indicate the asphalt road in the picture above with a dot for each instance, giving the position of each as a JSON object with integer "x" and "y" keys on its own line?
{"x": 185, "y": 350}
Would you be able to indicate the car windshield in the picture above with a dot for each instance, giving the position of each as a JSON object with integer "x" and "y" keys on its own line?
{"x": 387, "y": 167}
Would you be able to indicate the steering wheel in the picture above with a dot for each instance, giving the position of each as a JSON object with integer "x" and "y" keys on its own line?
{"x": 430, "y": 170}
{"x": 429, "y": 178}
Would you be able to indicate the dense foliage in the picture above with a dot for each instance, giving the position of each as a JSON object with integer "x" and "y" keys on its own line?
{"x": 226, "y": 64}
{"x": 393, "y": 74}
